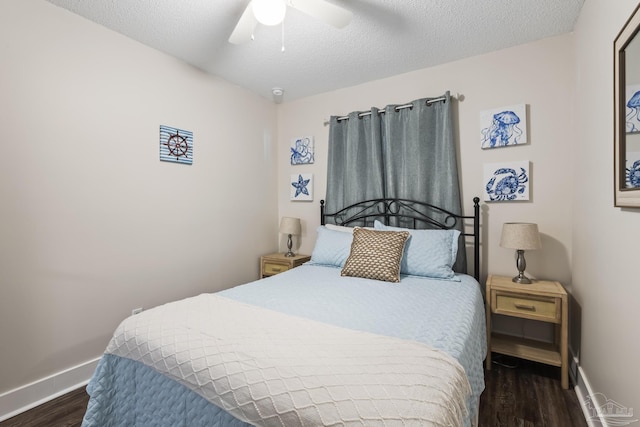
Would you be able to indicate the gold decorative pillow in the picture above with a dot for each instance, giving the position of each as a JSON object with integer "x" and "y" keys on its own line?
{"x": 376, "y": 254}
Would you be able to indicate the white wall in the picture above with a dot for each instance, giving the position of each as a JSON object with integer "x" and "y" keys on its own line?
{"x": 605, "y": 238}
{"x": 538, "y": 74}
{"x": 92, "y": 223}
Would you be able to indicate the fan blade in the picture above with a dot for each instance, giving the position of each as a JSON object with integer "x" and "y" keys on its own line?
{"x": 245, "y": 27}
{"x": 324, "y": 11}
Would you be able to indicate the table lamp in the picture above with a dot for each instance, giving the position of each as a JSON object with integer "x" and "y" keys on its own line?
{"x": 520, "y": 236}
{"x": 290, "y": 226}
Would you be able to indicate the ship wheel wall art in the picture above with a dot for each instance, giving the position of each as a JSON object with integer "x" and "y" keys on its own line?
{"x": 176, "y": 145}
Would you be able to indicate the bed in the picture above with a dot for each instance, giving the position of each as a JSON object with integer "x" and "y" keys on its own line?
{"x": 321, "y": 344}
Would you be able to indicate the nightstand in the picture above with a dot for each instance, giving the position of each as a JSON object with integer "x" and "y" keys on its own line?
{"x": 277, "y": 263}
{"x": 542, "y": 300}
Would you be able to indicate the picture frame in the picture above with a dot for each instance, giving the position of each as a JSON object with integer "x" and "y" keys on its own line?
{"x": 507, "y": 181}
{"x": 302, "y": 150}
{"x": 176, "y": 145}
{"x": 503, "y": 127}
{"x": 301, "y": 187}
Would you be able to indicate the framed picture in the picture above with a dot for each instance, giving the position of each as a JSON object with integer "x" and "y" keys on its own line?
{"x": 503, "y": 127}
{"x": 506, "y": 181}
{"x": 302, "y": 150}
{"x": 302, "y": 187}
{"x": 176, "y": 145}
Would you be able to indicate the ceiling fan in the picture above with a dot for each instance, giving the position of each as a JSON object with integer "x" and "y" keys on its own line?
{"x": 271, "y": 12}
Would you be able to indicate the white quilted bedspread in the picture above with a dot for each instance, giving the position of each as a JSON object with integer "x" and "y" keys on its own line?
{"x": 272, "y": 369}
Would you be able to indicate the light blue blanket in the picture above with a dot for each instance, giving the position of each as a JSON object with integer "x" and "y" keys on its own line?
{"x": 443, "y": 314}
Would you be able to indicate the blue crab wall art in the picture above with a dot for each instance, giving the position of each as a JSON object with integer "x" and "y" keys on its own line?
{"x": 506, "y": 183}
{"x": 633, "y": 175}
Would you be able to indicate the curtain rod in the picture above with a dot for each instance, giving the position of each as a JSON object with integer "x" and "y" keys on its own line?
{"x": 399, "y": 107}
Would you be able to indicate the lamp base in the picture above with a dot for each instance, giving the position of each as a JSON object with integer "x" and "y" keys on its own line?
{"x": 521, "y": 263}
{"x": 289, "y": 245}
{"x": 522, "y": 279}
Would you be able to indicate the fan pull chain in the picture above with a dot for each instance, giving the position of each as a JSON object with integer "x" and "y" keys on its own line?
{"x": 283, "y": 36}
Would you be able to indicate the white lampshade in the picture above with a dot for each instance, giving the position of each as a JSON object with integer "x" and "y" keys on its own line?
{"x": 520, "y": 235}
{"x": 290, "y": 226}
{"x": 269, "y": 12}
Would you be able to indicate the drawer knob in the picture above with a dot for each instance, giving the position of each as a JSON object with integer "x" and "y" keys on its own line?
{"x": 525, "y": 307}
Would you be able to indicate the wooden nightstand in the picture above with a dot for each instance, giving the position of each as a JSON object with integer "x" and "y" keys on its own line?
{"x": 277, "y": 263}
{"x": 542, "y": 300}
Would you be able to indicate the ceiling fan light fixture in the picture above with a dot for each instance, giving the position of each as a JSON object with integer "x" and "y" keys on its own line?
{"x": 269, "y": 12}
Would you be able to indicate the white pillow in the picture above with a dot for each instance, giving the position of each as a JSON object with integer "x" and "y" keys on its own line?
{"x": 341, "y": 228}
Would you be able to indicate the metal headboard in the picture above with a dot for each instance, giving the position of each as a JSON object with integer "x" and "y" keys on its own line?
{"x": 409, "y": 214}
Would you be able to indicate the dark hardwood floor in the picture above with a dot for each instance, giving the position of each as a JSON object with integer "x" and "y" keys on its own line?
{"x": 519, "y": 393}
{"x": 65, "y": 411}
{"x": 527, "y": 395}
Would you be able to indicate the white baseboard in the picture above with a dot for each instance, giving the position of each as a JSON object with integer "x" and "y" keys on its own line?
{"x": 21, "y": 399}
{"x": 583, "y": 391}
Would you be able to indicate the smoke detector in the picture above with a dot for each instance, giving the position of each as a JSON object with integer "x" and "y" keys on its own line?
{"x": 277, "y": 93}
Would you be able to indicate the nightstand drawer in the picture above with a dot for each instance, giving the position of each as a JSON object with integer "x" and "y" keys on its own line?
{"x": 274, "y": 268}
{"x": 273, "y": 264}
{"x": 536, "y": 308}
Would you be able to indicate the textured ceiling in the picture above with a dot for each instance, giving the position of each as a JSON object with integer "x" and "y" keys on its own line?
{"x": 384, "y": 38}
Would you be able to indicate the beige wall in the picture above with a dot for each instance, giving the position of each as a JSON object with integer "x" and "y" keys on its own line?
{"x": 605, "y": 239}
{"x": 92, "y": 223}
{"x": 538, "y": 74}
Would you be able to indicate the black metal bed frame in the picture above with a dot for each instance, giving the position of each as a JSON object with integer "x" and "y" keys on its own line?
{"x": 411, "y": 214}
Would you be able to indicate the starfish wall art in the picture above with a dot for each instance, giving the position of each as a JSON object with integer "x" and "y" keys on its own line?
{"x": 302, "y": 187}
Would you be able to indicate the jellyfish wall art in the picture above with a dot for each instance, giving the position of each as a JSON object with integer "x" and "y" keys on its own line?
{"x": 502, "y": 127}
{"x": 301, "y": 187}
{"x": 505, "y": 182}
{"x": 632, "y": 108}
{"x": 302, "y": 150}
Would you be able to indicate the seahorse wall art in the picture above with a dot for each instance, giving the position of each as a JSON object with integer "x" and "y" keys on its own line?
{"x": 302, "y": 150}
{"x": 505, "y": 126}
{"x": 506, "y": 181}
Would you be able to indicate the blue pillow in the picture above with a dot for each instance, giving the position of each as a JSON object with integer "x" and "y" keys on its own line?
{"x": 429, "y": 253}
{"x": 332, "y": 247}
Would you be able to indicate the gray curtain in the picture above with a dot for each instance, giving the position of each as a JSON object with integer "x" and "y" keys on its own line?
{"x": 355, "y": 168}
{"x": 407, "y": 153}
